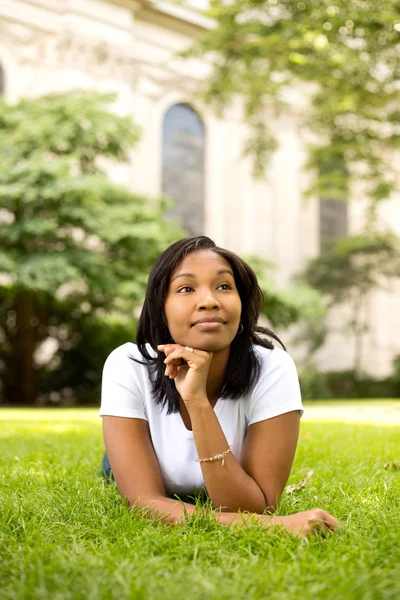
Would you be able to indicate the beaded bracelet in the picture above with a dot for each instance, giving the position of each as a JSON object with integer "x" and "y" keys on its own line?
{"x": 216, "y": 457}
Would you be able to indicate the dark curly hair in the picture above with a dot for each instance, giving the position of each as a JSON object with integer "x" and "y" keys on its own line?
{"x": 243, "y": 367}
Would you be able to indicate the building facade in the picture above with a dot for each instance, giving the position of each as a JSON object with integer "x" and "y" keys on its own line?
{"x": 130, "y": 47}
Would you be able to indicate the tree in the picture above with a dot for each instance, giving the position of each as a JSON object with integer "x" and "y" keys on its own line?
{"x": 350, "y": 272}
{"x": 297, "y": 304}
{"x": 343, "y": 55}
{"x": 75, "y": 248}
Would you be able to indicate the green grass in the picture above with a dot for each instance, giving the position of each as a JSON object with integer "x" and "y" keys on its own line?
{"x": 66, "y": 534}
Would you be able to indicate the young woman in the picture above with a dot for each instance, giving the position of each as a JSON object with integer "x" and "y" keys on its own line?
{"x": 203, "y": 402}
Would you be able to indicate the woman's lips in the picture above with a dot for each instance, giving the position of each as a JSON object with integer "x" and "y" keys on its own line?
{"x": 208, "y": 325}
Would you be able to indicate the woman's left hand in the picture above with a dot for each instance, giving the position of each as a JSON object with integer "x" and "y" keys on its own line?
{"x": 189, "y": 370}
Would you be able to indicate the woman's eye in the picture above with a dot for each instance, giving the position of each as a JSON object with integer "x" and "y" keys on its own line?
{"x": 188, "y": 288}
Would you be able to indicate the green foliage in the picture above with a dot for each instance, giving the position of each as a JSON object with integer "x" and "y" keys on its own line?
{"x": 342, "y": 55}
{"x": 345, "y": 384}
{"x": 396, "y": 369}
{"x": 76, "y": 378}
{"x": 350, "y": 272}
{"x": 75, "y": 248}
{"x": 297, "y": 304}
{"x": 355, "y": 266}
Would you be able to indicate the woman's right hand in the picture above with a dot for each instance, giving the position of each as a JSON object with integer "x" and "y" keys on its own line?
{"x": 307, "y": 523}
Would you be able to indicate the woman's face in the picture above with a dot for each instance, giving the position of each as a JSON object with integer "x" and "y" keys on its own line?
{"x": 203, "y": 306}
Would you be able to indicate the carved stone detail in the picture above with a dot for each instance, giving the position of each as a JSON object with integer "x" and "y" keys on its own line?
{"x": 68, "y": 50}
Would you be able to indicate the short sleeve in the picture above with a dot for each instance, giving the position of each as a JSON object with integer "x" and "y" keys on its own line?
{"x": 121, "y": 395}
{"x": 277, "y": 390}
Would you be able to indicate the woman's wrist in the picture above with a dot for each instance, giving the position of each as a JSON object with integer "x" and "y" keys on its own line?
{"x": 197, "y": 406}
{"x": 229, "y": 519}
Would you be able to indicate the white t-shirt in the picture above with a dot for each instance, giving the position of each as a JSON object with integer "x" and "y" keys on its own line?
{"x": 127, "y": 392}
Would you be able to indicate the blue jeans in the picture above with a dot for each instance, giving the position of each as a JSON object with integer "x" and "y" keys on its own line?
{"x": 106, "y": 470}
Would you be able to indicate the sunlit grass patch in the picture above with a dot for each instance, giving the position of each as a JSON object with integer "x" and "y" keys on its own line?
{"x": 371, "y": 412}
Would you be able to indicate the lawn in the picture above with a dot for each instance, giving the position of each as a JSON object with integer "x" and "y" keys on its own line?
{"x": 66, "y": 534}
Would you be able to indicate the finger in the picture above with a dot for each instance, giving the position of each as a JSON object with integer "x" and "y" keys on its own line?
{"x": 176, "y": 362}
{"x": 169, "y": 348}
{"x": 330, "y": 521}
{"x": 166, "y": 348}
{"x": 180, "y": 355}
{"x": 172, "y": 371}
{"x": 318, "y": 529}
{"x": 167, "y": 371}
{"x": 322, "y": 527}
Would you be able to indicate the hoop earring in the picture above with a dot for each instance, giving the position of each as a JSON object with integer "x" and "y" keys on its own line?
{"x": 240, "y": 330}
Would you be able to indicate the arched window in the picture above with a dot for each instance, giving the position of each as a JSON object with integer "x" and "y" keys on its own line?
{"x": 183, "y": 166}
{"x": 2, "y": 81}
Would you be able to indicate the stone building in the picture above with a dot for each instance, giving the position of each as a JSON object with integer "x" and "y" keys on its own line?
{"x": 130, "y": 46}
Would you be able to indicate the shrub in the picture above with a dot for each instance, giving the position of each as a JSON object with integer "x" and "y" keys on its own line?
{"x": 345, "y": 384}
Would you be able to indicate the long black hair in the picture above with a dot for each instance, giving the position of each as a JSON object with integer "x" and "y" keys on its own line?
{"x": 243, "y": 367}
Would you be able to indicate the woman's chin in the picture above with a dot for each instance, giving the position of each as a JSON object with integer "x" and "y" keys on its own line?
{"x": 210, "y": 345}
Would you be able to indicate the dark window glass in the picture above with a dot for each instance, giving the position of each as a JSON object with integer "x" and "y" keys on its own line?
{"x": 333, "y": 207}
{"x": 2, "y": 82}
{"x": 183, "y": 166}
{"x": 332, "y": 222}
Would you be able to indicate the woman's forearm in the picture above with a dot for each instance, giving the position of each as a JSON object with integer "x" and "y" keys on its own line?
{"x": 228, "y": 486}
{"x": 175, "y": 513}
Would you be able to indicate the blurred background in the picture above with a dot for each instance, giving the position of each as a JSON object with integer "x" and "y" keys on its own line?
{"x": 271, "y": 126}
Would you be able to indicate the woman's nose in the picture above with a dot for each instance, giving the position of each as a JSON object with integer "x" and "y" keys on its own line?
{"x": 208, "y": 301}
